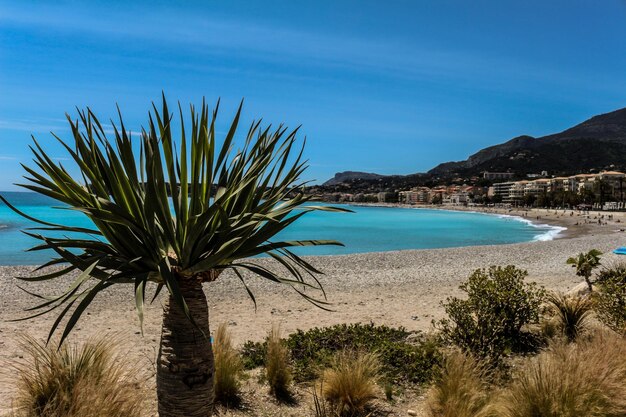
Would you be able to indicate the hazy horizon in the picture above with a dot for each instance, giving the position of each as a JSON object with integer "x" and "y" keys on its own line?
{"x": 391, "y": 89}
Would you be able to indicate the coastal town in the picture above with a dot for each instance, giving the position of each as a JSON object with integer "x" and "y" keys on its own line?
{"x": 604, "y": 190}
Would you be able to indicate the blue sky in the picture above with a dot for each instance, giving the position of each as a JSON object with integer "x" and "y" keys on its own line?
{"x": 387, "y": 87}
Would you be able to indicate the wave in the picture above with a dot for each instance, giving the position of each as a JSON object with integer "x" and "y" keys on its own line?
{"x": 551, "y": 232}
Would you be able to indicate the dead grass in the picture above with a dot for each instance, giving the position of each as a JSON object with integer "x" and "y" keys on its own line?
{"x": 75, "y": 381}
{"x": 587, "y": 378}
{"x": 228, "y": 368}
{"x": 321, "y": 407}
{"x": 277, "y": 365}
{"x": 350, "y": 383}
{"x": 460, "y": 390}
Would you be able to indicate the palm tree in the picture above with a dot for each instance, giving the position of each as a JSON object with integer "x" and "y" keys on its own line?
{"x": 175, "y": 218}
{"x": 585, "y": 264}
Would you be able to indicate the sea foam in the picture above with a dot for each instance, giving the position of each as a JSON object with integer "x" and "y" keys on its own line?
{"x": 550, "y": 232}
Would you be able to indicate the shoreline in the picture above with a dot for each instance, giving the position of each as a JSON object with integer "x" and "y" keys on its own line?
{"x": 571, "y": 223}
{"x": 346, "y": 273}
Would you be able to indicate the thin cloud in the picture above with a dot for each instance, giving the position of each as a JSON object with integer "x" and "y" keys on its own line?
{"x": 218, "y": 35}
{"x": 51, "y": 125}
{"x": 31, "y": 125}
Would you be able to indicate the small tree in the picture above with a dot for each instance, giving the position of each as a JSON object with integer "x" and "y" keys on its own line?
{"x": 490, "y": 321}
{"x": 585, "y": 263}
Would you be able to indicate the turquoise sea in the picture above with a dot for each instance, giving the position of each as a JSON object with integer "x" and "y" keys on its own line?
{"x": 369, "y": 229}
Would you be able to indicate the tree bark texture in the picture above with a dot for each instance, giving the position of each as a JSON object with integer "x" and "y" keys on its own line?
{"x": 185, "y": 365}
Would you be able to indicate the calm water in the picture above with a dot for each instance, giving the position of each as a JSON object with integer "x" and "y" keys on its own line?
{"x": 369, "y": 229}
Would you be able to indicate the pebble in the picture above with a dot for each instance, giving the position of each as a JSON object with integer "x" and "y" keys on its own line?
{"x": 411, "y": 412}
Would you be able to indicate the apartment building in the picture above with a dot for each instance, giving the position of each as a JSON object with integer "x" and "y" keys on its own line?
{"x": 613, "y": 183}
{"x": 537, "y": 187}
{"x": 419, "y": 195}
{"x": 502, "y": 189}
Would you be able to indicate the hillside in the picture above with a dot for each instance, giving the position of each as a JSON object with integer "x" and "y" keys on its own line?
{"x": 597, "y": 143}
{"x": 368, "y": 182}
{"x": 348, "y": 176}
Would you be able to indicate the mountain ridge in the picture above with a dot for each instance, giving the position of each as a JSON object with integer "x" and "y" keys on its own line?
{"x": 597, "y": 143}
{"x": 546, "y": 153}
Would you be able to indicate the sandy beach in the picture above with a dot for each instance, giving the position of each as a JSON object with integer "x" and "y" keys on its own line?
{"x": 402, "y": 288}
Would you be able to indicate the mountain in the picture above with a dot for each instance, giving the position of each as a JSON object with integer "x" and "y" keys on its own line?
{"x": 597, "y": 143}
{"x": 348, "y": 176}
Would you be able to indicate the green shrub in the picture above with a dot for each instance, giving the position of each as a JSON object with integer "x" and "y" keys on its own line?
{"x": 311, "y": 351}
{"x": 253, "y": 354}
{"x": 491, "y": 321}
{"x": 610, "y": 300}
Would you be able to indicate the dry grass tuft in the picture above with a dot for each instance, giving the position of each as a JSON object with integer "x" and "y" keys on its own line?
{"x": 350, "y": 383}
{"x": 572, "y": 314}
{"x": 228, "y": 368}
{"x": 321, "y": 408}
{"x": 75, "y": 381}
{"x": 277, "y": 365}
{"x": 460, "y": 390}
{"x": 587, "y": 378}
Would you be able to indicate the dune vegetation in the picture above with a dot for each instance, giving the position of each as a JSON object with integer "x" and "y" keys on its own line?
{"x": 569, "y": 362}
{"x": 76, "y": 381}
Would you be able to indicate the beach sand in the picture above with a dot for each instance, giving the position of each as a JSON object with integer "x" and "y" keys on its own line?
{"x": 402, "y": 288}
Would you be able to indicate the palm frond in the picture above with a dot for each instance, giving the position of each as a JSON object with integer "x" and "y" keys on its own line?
{"x": 164, "y": 211}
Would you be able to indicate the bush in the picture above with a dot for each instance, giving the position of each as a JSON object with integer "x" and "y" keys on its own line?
{"x": 491, "y": 321}
{"x": 75, "y": 381}
{"x": 587, "y": 378}
{"x": 571, "y": 314}
{"x": 585, "y": 263}
{"x": 460, "y": 390}
{"x": 314, "y": 349}
{"x": 228, "y": 368}
{"x": 277, "y": 365}
{"x": 253, "y": 354}
{"x": 350, "y": 383}
{"x": 610, "y": 300}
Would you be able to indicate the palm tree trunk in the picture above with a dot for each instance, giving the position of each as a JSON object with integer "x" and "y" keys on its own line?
{"x": 185, "y": 365}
